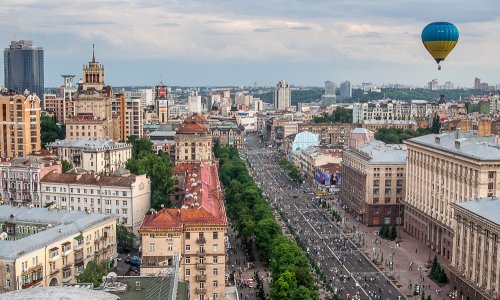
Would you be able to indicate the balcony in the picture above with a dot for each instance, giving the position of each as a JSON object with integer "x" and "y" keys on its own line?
{"x": 54, "y": 258}
{"x": 98, "y": 251}
{"x": 201, "y": 253}
{"x": 201, "y": 241}
{"x": 201, "y": 278}
{"x": 200, "y": 266}
{"x": 201, "y": 291}
{"x": 78, "y": 260}
{"x": 54, "y": 271}
{"x": 78, "y": 246}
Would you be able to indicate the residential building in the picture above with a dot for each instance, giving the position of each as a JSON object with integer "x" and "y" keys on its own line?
{"x": 375, "y": 125}
{"x": 228, "y": 134}
{"x": 373, "y": 182}
{"x": 126, "y": 196}
{"x": 19, "y": 125}
{"x": 23, "y": 67}
{"x": 50, "y": 247}
{"x": 195, "y": 231}
{"x": 433, "y": 85}
{"x": 334, "y": 134}
{"x": 329, "y": 97}
{"x": 98, "y": 156}
{"x": 282, "y": 95}
{"x": 194, "y": 102}
{"x": 475, "y": 266}
{"x": 128, "y": 108}
{"x": 258, "y": 105}
{"x": 193, "y": 141}
{"x": 444, "y": 169}
{"x": 391, "y": 110}
{"x": 93, "y": 107}
{"x": 309, "y": 159}
{"x": 360, "y": 136}
{"x": 20, "y": 179}
{"x": 345, "y": 90}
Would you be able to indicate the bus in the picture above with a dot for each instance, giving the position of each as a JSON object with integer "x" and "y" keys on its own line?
{"x": 321, "y": 193}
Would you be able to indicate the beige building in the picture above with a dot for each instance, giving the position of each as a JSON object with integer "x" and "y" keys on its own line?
{"x": 128, "y": 108}
{"x": 99, "y": 156}
{"x": 476, "y": 244}
{"x": 49, "y": 247}
{"x": 336, "y": 134}
{"x": 444, "y": 169}
{"x": 19, "y": 125}
{"x": 374, "y": 125}
{"x": 196, "y": 231}
{"x": 193, "y": 141}
{"x": 128, "y": 196}
{"x": 92, "y": 107}
{"x": 373, "y": 182}
{"x": 309, "y": 159}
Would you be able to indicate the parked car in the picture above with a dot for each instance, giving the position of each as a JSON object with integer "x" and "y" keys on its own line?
{"x": 135, "y": 261}
{"x": 135, "y": 270}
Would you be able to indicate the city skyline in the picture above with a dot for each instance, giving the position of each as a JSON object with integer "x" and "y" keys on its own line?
{"x": 236, "y": 43}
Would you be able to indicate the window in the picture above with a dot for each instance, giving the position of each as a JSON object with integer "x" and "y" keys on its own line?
{"x": 152, "y": 247}
{"x": 7, "y": 268}
{"x": 54, "y": 253}
{"x": 399, "y": 182}
{"x": 188, "y": 248}
{"x": 124, "y": 211}
{"x": 215, "y": 248}
{"x": 187, "y": 235}
{"x": 375, "y": 200}
{"x": 388, "y": 210}
{"x": 215, "y": 284}
{"x": 170, "y": 247}
{"x": 387, "y": 200}
{"x": 376, "y": 182}
{"x": 388, "y": 182}
{"x": 387, "y": 191}
{"x": 187, "y": 260}
{"x": 7, "y": 283}
{"x": 117, "y": 202}
{"x": 215, "y": 296}
{"x": 188, "y": 272}
{"x": 216, "y": 271}
{"x": 215, "y": 235}
{"x": 67, "y": 273}
{"x": 399, "y": 190}
{"x": 375, "y": 191}
{"x": 124, "y": 194}
{"x": 215, "y": 258}
{"x": 125, "y": 203}
{"x": 169, "y": 237}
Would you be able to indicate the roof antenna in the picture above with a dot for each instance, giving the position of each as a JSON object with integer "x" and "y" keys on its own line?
{"x": 93, "y": 54}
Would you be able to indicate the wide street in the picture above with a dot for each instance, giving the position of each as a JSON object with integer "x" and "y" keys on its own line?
{"x": 349, "y": 272}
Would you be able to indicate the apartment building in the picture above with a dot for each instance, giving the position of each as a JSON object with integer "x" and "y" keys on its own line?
{"x": 128, "y": 107}
{"x": 335, "y": 134}
{"x": 98, "y": 156}
{"x": 394, "y": 110}
{"x": 20, "y": 179}
{"x": 373, "y": 182}
{"x": 50, "y": 247}
{"x": 19, "y": 125}
{"x": 128, "y": 196}
{"x": 475, "y": 264}
{"x": 444, "y": 169}
{"x": 228, "y": 134}
{"x": 196, "y": 231}
{"x": 193, "y": 141}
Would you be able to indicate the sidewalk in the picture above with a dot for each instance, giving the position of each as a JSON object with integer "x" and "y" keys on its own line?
{"x": 410, "y": 257}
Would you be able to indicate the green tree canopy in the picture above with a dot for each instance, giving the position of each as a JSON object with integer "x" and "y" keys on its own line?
{"x": 139, "y": 145}
{"x": 93, "y": 273}
{"x": 339, "y": 115}
{"x": 397, "y": 135}
{"x": 66, "y": 166}
{"x": 50, "y": 130}
{"x": 124, "y": 237}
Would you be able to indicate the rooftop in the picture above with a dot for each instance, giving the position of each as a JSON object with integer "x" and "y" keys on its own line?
{"x": 63, "y": 223}
{"x": 88, "y": 144}
{"x": 90, "y": 179}
{"x": 481, "y": 148}
{"x": 58, "y": 292}
{"x": 487, "y": 208}
{"x": 26, "y": 162}
{"x": 381, "y": 153}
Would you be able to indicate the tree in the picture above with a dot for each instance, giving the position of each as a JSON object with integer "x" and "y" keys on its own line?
{"x": 93, "y": 273}
{"x": 50, "y": 130}
{"x": 339, "y": 115}
{"x": 139, "y": 145}
{"x": 124, "y": 237}
{"x": 66, "y": 166}
{"x": 217, "y": 148}
{"x": 436, "y": 124}
{"x": 394, "y": 233}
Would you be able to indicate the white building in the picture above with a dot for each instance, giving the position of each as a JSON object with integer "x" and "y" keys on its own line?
{"x": 257, "y": 104}
{"x": 329, "y": 88}
{"x": 282, "y": 95}
{"x": 128, "y": 196}
{"x": 98, "y": 156}
{"x": 194, "y": 102}
{"x": 147, "y": 96}
{"x": 390, "y": 110}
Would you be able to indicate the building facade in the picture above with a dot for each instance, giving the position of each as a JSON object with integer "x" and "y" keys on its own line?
{"x": 345, "y": 90}
{"x": 100, "y": 157}
{"x": 127, "y": 197}
{"x": 391, "y": 110}
{"x": 193, "y": 141}
{"x": 444, "y": 169}
{"x": 196, "y": 231}
{"x": 373, "y": 182}
{"x": 49, "y": 247}
{"x": 475, "y": 267}
{"x": 19, "y": 125}
{"x": 282, "y": 95}
{"x": 20, "y": 179}
{"x": 228, "y": 134}
{"x": 23, "y": 67}
{"x": 334, "y": 134}
{"x": 360, "y": 136}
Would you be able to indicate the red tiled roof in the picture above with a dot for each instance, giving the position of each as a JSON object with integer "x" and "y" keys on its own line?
{"x": 192, "y": 128}
{"x": 203, "y": 202}
{"x": 195, "y": 118}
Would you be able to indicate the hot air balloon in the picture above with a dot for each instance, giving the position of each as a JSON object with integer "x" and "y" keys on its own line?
{"x": 439, "y": 39}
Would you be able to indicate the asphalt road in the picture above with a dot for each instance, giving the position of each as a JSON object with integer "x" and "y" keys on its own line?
{"x": 350, "y": 273}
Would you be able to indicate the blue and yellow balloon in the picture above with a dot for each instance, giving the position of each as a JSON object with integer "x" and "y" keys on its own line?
{"x": 439, "y": 39}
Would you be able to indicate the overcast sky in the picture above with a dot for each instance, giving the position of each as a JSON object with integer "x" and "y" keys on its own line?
{"x": 237, "y": 42}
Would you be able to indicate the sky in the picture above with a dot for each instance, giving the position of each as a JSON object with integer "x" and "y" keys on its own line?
{"x": 239, "y": 42}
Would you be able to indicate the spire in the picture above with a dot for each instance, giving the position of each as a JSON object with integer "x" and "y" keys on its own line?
{"x": 93, "y": 53}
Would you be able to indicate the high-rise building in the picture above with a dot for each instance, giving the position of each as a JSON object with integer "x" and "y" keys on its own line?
{"x": 477, "y": 83}
{"x": 93, "y": 107}
{"x": 23, "y": 67}
{"x": 329, "y": 88}
{"x": 433, "y": 85}
{"x": 329, "y": 97}
{"x": 128, "y": 107}
{"x": 194, "y": 102}
{"x": 345, "y": 90}
{"x": 19, "y": 125}
{"x": 61, "y": 104}
{"x": 282, "y": 95}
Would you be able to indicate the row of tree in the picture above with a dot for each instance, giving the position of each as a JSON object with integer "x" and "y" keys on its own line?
{"x": 254, "y": 220}
{"x": 339, "y": 115}
{"x": 292, "y": 170}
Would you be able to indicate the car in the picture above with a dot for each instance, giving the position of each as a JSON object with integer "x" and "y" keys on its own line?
{"x": 135, "y": 261}
{"x": 135, "y": 270}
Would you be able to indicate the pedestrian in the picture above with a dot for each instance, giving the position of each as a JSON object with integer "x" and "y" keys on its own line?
{"x": 416, "y": 250}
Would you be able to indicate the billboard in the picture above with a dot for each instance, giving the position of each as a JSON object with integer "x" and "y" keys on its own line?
{"x": 325, "y": 178}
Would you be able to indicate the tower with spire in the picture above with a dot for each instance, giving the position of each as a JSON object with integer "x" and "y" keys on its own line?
{"x": 93, "y": 75}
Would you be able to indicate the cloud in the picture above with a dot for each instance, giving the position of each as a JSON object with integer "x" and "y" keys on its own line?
{"x": 301, "y": 28}
{"x": 166, "y": 24}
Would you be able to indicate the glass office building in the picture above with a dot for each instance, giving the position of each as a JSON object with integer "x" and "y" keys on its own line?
{"x": 23, "y": 67}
